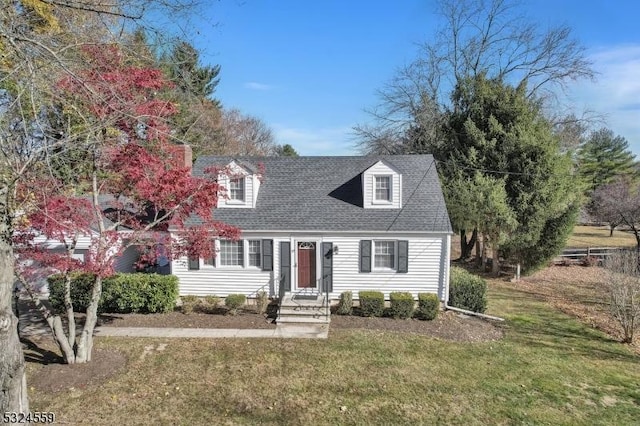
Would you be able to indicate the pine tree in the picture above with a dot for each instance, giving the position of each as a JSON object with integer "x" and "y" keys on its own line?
{"x": 603, "y": 157}
{"x": 496, "y": 130}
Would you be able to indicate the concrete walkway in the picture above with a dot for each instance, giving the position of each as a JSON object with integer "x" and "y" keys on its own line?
{"x": 281, "y": 331}
{"x": 32, "y": 324}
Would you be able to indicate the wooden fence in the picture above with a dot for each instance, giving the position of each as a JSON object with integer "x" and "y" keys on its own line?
{"x": 578, "y": 255}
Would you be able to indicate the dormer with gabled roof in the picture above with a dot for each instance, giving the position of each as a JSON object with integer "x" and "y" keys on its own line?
{"x": 382, "y": 187}
{"x": 242, "y": 183}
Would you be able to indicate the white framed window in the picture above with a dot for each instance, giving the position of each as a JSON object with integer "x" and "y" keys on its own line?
{"x": 231, "y": 253}
{"x": 254, "y": 252}
{"x": 236, "y": 189}
{"x": 382, "y": 188}
{"x": 384, "y": 254}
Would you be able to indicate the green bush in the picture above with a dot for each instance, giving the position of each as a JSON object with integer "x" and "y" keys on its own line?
{"x": 401, "y": 304}
{"x": 345, "y": 306}
{"x": 140, "y": 293}
{"x": 234, "y": 302}
{"x": 81, "y": 287}
{"x": 189, "y": 303}
{"x": 467, "y": 291}
{"x": 121, "y": 293}
{"x": 428, "y": 306}
{"x": 262, "y": 301}
{"x": 371, "y": 303}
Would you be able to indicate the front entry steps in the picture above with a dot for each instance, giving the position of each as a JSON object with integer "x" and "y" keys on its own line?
{"x": 303, "y": 309}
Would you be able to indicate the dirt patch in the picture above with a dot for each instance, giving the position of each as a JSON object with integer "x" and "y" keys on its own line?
{"x": 244, "y": 319}
{"x": 59, "y": 377}
{"x": 448, "y": 325}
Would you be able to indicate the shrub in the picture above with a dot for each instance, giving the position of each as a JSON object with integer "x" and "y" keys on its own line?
{"x": 467, "y": 291}
{"x": 234, "y": 302}
{"x": 81, "y": 287}
{"x": 401, "y": 304}
{"x": 121, "y": 293}
{"x": 591, "y": 261}
{"x": 345, "y": 306}
{"x": 428, "y": 306}
{"x": 140, "y": 293}
{"x": 189, "y": 303}
{"x": 371, "y": 303}
{"x": 262, "y": 301}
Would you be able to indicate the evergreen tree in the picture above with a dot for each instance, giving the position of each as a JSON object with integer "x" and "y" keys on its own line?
{"x": 496, "y": 130}
{"x": 603, "y": 157}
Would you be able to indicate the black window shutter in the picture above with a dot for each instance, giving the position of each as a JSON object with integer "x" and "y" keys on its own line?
{"x": 327, "y": 266}
{"x": 267, "y": 255}
{"x": 194, "y": 263}
{"x": 403, "y": 256}
{"x": 285, "y": 266}
{"x": 365, "y": 256}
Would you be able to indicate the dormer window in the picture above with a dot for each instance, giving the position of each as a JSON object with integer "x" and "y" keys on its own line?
{"x": 383, "y": 188}
{"x": 236, "y": 189}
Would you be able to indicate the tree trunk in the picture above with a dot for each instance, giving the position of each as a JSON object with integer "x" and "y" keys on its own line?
{"x": 495, "y": 264}
{"x": 467, "y": 246}
{"x": 479, "y": 248}
{"x": 85, "y": 341}
{"x": 13, "y": 383}
{"x": 611, "y": 228}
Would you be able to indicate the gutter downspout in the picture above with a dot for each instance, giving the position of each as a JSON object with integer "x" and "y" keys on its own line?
{"x": 447, "y": 261}
{"x": 475, "y": 314}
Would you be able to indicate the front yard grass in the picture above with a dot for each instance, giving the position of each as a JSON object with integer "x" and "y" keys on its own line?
{"x": 548, "y": 369}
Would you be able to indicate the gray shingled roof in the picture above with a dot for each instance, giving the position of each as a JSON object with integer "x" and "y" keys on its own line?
{"x": 325, "y": 194}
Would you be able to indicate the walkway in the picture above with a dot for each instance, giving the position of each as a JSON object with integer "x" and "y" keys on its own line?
{"x": 32, "y": 324}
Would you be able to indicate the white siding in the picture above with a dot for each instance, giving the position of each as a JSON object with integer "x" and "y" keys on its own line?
{"x": 425, "y": 272}
{"x": 428, "y": 266}
{"x": 368, "y": 187}
{"x": 224, "y": 280}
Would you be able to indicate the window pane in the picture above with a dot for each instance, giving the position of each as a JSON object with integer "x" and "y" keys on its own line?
{"x": 384, "y": 254}
{"x": 236, "y": 189}
{"x": 231, "y": 253}
{"x": 383, "y": 188}
{"x": 254, "y": 252}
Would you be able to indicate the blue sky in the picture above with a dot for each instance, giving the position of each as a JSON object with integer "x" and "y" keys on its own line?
{"x": 309, "y": 69}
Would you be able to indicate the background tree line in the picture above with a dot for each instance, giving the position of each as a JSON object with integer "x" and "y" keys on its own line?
{"x": 483, "y": 97}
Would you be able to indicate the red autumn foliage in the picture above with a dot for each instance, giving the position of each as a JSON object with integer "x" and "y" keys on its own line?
{"x": 140, "y": 192}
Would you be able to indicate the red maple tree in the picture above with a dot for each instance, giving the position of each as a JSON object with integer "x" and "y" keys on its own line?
{"x": 136, "y": 188}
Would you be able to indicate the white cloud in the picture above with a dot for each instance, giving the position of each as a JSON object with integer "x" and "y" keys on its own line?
{"x": 323, "y": 141}
{"x": 257, "y": 86}
{"x": 616, "y": 92}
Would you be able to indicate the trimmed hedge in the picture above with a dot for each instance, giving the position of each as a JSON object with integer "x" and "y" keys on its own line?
{"x": 121, "y": 293}
{"x": 467, "y": 291}
{"x": 345, "y": 306}
{"x": 428, "y": 306}
{"x": 401, "y": 304}
{"x": 140, "y": 293}
{"x": 81, "y": 286}
{"x": 371, "y": 303}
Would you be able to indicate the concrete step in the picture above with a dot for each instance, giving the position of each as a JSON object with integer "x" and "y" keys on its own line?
{"x": 302, "y": 320}
{"x": 286, "y": 311}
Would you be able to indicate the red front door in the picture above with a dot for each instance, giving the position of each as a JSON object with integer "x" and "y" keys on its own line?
{"x": 306, "y": 265}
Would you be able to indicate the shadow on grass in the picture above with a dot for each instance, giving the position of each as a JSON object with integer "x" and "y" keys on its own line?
{"x": 38, "y": 354}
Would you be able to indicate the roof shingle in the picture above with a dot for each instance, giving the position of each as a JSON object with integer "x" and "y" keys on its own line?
{"x": 325, "y": 194}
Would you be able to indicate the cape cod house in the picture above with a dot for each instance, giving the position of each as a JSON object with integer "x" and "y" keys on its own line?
{"x": 324, "y": 225}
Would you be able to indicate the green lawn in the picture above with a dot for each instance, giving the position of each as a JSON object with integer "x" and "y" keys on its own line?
{"x": 549, "y": 369}
{"x": 598, "y": 236}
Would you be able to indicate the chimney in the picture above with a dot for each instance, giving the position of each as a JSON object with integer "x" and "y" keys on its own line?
{"x": 181, "y": 155}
